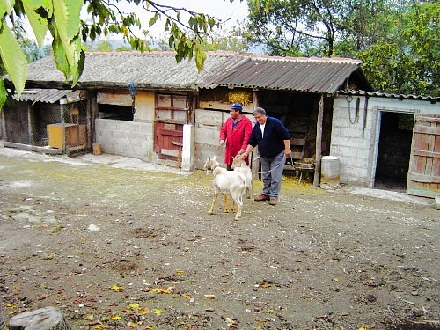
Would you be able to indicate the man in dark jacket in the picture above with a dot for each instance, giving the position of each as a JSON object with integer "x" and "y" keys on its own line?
{"x": 273, "y": 140}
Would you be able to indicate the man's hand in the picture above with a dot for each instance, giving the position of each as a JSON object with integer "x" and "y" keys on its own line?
{"x": 222, "y": 143}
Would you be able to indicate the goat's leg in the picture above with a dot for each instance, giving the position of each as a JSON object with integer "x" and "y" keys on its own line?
{"x": 251, "y": 192}
{"x": 234, "y": 205}
{"x": 238, "y": 199}
{"x": 214, "y": 200}
{"x": 225, "y": 203}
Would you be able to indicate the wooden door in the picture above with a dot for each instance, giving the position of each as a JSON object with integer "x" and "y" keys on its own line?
{"x": 172, "y": 112}
{"x": 424, "y": 168}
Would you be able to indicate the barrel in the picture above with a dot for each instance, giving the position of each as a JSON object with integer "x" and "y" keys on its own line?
{"x": 330, "y": 175}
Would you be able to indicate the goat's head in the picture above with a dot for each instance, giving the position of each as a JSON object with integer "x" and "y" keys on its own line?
{"x": 210, "y": 164}
{"x": 238, "y": 161}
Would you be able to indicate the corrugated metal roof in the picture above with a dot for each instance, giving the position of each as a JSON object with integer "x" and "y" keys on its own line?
{"x": 159, "y": 70}
{"x": 288, "y": 73}
{"x": 390, "y": 95}
{"x": 42, "y": 95}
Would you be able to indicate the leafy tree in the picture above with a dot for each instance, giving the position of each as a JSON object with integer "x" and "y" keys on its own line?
{"x": 61, "y": 18}
{"x": 295, "y": 27}
{"x": 397, "y": 40}
{"x": 105, "y": 46}
{"x": 29, "y": 46}
{"x": 408, "y": 60}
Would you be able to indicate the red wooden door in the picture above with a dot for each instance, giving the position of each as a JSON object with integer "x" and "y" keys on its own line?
{"x": 424, "y": 167}
{"x": 172, "y": 112}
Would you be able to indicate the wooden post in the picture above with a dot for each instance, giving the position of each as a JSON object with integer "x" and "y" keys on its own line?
{"x": 47, "y": 318}
{"x": 254, "y": 163}
{"x": 318, "y": 142}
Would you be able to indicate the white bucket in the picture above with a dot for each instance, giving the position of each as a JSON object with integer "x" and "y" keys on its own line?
{"x": 330, "y": 175}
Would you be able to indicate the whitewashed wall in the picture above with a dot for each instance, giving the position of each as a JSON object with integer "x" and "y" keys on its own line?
{"x": 355, "y": 138}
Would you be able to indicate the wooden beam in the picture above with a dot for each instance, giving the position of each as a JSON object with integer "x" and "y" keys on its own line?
{"x": 318, "y": 142}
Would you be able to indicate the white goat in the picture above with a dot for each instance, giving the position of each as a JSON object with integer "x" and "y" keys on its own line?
{"x": 239, "y": 164}
{"x": 227, "y": 183}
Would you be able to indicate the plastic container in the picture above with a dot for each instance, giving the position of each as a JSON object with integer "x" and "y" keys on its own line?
{"x": 330, "y": 174}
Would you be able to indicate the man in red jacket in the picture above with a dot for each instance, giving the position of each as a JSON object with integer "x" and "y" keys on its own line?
{"x": 235, "y": 134}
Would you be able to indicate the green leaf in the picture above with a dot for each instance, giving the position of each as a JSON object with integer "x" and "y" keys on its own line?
{"x": 67, "y": 45}
{"x": 3, "y": 93}
{"x": 200, "y": 58}
{"x": 14, "y": 58}
{"x": 153, "y": 19}
{"x": 60, "y": 58}
{"x": 39, "y": 24}
{"x": 6, "y": 6}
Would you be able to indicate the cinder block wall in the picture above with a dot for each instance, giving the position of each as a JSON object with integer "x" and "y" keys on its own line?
{"x": 352, "y": 141}
{"x": 125, "y": 138}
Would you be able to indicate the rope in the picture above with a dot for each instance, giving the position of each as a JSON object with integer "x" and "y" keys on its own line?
{"x": 262, "y": 172}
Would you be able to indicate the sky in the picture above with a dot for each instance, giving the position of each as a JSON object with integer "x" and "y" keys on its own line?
{"x": 229, "y": 12}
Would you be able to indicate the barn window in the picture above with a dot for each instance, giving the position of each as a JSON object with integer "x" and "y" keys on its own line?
{"x": 116, "y": 106}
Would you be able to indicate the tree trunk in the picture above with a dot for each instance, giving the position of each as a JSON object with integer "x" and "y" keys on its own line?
{"x": 47, "y": 318}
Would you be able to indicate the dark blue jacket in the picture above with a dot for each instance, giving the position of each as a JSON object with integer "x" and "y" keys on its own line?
{"x": 271, "y": 144}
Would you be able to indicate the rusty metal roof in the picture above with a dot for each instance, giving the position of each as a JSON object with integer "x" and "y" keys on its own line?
{"x": 159, "y": 70}
{"x": 317, "y": 75}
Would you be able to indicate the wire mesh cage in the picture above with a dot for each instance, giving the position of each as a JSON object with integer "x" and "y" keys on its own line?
{"x": 51, "y": 125}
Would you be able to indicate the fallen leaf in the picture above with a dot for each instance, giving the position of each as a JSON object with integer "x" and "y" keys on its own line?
{"x": 117, "y": 288}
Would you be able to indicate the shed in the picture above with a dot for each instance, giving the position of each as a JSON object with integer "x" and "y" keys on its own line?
{"x": 140, "y": 104}
{"x": 389, "y": 141}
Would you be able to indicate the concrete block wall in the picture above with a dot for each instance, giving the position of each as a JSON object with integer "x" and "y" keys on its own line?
{"x": 126, "y": 138}
{"x": 352, "y": 140}
{"x": 206, "y": 136}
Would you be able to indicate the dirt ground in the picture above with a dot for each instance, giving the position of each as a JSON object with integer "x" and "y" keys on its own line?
{"x": 121, "y": 244}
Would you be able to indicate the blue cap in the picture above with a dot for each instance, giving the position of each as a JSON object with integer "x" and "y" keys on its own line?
{"x": 237, "y": 106}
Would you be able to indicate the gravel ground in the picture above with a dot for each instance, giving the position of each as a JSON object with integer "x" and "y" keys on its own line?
{"x": 115, "y": 243}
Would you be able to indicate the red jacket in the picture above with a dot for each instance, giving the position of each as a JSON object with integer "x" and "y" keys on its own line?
{"x": 237, "y": 138}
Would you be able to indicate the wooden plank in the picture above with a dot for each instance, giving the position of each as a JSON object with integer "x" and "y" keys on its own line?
{"x": 427, "y": 153}
{"x": 424, "y": 192}
{"x": 424, "y": 174}
{"x": 426, "y": 130}
{"x": 168, "y": 132}
{"x": 432, "y": 118}
{"x": 298, "y": 141}
{"x": 424, "y": 178}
